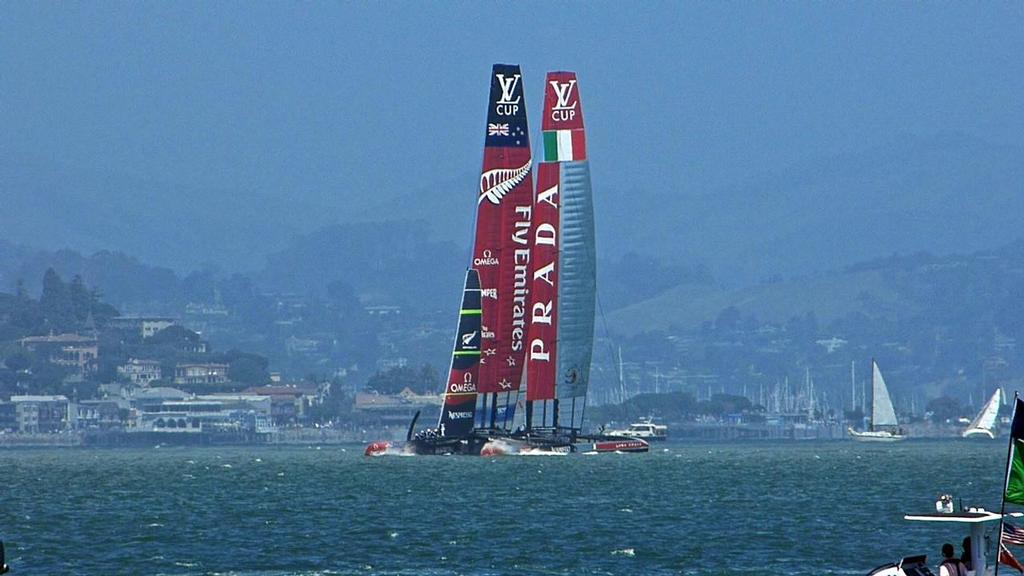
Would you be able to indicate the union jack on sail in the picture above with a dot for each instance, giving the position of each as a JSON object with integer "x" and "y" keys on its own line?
{"x": 497, "y": 129}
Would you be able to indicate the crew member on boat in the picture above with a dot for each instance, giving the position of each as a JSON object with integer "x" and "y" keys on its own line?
{"x": 951, "y": 565}
{"x": 965, "y": 556}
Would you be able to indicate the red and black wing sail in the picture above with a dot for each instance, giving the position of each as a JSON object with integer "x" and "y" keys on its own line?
{"x": 461, "y": 389}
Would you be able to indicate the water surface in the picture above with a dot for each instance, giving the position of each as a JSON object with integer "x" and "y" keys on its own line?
{"x": 709, "y": 508}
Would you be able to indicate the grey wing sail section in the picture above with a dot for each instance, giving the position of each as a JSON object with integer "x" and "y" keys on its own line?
{"x": 578, "y": 283}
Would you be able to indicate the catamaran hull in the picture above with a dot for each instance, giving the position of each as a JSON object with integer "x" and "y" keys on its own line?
{"x": 876, "y": 436}
{"x": 427, "y": 447}
{"x": 519, "y": 447}
{"x": 512, "y": 447}
{"x": 979, "y": 433}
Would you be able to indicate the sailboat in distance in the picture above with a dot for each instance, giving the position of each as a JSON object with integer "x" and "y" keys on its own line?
{"x": 884, "y": 427}
{"x": 985, "y": 423}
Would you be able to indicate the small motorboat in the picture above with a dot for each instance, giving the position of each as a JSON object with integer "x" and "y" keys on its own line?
{"x": 645, "y": 429}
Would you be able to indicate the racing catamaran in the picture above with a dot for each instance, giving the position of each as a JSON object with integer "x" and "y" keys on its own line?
{"x": 563, "y": 290}
{"x": 500, "y": 269}
{"x": 521, "y": 362}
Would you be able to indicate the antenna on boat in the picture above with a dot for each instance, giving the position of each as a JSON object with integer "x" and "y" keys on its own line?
{"x": 4, "y": 568}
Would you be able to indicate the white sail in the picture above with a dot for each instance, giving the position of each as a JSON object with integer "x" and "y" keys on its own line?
{"x": 882, "y": 413}
{"x": 984, "y": 424}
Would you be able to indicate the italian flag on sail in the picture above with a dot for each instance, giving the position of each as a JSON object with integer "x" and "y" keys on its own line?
{"x": 1015, "y": 471}
{"x": 565, "y": 145}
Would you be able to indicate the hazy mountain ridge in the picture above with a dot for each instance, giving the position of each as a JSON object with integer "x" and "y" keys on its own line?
{"x": 944, "y": 193}
{"x": 957, "y": 290}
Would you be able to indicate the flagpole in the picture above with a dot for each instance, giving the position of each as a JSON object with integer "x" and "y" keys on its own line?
{"x": 1006, "y": 482}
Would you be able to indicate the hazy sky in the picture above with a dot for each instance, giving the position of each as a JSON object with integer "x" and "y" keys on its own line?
{"x": 316, "y": 102}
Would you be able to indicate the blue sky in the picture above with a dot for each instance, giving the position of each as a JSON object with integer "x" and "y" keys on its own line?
{"x": 332, "y": 106}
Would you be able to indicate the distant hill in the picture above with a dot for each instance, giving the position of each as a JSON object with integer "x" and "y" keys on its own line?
{"x": 828, "y": 296}
{"x": 943, "y": 193}
{"x": 955, "y": 290}
{"x": 393, "y": 262}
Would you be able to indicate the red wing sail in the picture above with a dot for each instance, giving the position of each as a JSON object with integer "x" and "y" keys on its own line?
{"x": 501, "y": 251}
{"x": 564, "y": 138}
{"x": 542, "y": 354}
{"x": 564, "y": 284}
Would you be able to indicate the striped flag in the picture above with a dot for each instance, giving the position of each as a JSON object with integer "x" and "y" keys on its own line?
{"x": 1006, "y": 558}
{"x": 565, "y": 145}
{"x": 1013, "y": 534}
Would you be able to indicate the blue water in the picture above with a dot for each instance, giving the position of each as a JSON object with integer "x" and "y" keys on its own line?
{"x": 715, "y": 508}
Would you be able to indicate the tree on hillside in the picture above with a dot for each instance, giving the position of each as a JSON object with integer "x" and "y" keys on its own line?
{"x": 424, "y": 380}
{"x": 81, "y": 299}
{"x": 199, "y": 286}
{"x": 55, "y": 302}
{"x": 722, "y": 404}
{"x": 944, "y": 408}
{"x": 175, "y": 336}
{"x": 728, "y": 319}
{"x": 247, "y": 368}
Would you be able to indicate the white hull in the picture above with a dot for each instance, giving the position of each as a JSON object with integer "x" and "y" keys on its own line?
{"x": 984, "y": 424}
{"x": 876, "y": 436}
{"x": 979, "y": 433}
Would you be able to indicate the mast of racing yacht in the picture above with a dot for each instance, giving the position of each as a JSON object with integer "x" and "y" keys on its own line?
{"x": 501, "y": 246}
{"x": 563, "y": 258}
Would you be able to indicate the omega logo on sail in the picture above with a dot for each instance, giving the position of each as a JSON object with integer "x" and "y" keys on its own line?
{"x": 487, "y": 260}
{"x": 467, "y": 385}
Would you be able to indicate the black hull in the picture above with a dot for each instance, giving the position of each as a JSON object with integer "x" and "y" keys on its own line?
{"x": 446, "y": 446}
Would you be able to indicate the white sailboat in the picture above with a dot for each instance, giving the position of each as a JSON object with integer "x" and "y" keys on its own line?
{"x": 984, "y": 424}
{"x": 884, "y": 426}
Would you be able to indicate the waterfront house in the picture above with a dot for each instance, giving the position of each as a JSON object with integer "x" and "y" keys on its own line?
{"x": 41, "y": 414}
{"x": 139, "y": 371}
{"x": 145, "y": 326}
{"x": 74, "y": 351}
{"x": 192, "y": 373}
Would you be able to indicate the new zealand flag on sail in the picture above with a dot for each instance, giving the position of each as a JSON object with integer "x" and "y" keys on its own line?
{"x": 506, "y": 118}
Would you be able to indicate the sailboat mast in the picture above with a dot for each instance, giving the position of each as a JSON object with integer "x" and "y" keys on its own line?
{"x": 874, "y": 371}
{"x": 501, "y": 248}
{"x": 853, "y": 385}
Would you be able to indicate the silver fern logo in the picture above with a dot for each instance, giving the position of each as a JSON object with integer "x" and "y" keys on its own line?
{"x": 494, "y": 184}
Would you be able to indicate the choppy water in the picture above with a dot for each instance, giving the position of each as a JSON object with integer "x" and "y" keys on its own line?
{"x": 758, "y": 508}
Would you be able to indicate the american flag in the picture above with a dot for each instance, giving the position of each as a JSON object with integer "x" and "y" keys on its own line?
{"x": 1005, "y": 557}
{"x": 497, "y": 129}
{"x": 1013, "y": 534}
